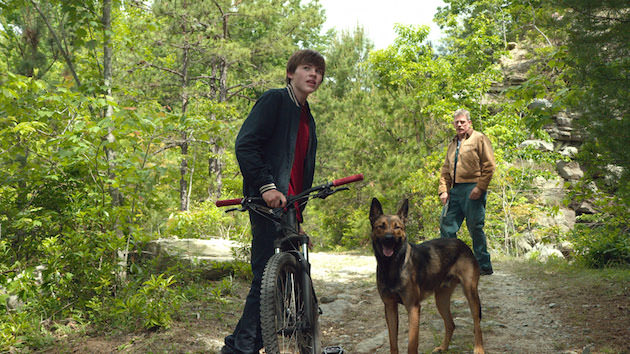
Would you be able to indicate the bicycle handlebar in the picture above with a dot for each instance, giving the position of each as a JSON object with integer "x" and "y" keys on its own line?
{"x": 227, "y": 202}
{"x": 335, "y": 183}
{"x": 346, "y": 180}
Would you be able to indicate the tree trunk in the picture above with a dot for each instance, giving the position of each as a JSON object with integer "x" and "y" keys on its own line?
{"x": 183, "y": 168}
{"x": 110, "y": 154}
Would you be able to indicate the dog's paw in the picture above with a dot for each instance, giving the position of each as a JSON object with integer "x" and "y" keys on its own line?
{"x": 479, "y": 350}
{"x": 439, "y": 349}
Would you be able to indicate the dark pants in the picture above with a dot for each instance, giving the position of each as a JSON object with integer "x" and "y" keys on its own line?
{"x": 247, "y": 337}
{"x": 460, "y": 206}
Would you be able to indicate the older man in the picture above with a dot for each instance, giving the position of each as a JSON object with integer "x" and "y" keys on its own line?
{"x": 464, "y": 180}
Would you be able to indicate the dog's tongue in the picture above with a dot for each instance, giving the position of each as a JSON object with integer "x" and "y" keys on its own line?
{"x": 387, "y": 251}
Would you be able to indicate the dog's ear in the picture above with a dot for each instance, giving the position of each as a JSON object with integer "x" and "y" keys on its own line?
{"x": 404, "y": 209}
{"x": 376, "y": 210}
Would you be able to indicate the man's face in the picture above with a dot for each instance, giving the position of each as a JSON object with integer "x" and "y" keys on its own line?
{"x": 306, "y": 79}
{"x": 462, "y": 125}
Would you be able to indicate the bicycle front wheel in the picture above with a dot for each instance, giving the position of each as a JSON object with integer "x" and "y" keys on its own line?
{"x": 288, "y": 325}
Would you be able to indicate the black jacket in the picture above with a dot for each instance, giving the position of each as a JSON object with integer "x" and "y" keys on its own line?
{"x": 265, "y": 145}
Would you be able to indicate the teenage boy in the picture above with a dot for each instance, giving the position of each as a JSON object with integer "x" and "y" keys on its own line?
{"x": 275, "y": 149}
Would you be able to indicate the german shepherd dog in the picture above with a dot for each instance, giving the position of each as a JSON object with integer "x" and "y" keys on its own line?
{"x": 407, "y": 274}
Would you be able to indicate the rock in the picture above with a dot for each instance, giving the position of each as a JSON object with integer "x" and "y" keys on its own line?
{"x": 570, "y": 171}
{"x": 213, "y": 249}
{"x": 564, "y": 219}
{"x": 14, "y": 302}
{"x": 613, "y": 174}
{"x": 567, "y": 249}
{"x": 583, "y": 207}
{"x": 544, "y": 252}
{"x": 568, "y": 151}
{"x": 326, "y": 299}
{"x": 552, "y": 191}
{"x": 334, "y": 311}
{"x": 563, "y": 120}
{"x": 213, "y": 257}
{"x": 539, "y": 145}
{"x": 539, "y": 104}
{"x": 370, "y": 344}
{"x": 523, "y": 245}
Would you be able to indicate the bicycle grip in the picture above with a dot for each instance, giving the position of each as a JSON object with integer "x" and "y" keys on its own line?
{"x": 346, "y": 180}
{"x": 226, "y": 202}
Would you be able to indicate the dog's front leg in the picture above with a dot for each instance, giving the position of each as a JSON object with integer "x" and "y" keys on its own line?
{"x": 414, "y": 324}
{"x": 391, "y": 316}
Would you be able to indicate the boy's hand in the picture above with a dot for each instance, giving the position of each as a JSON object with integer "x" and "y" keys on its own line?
{"x": 274, "y": 198}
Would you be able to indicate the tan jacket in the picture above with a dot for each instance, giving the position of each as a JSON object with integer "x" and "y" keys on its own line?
{"x": 475, "y": 162}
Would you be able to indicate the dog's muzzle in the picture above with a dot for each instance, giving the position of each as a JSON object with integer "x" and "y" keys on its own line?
{"x": 388, "y": 243}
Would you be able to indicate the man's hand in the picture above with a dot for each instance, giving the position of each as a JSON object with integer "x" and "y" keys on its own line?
{"x": 444, "y": 197}
{"x": 475, "y": 193}
{"x": 274, "y": 198}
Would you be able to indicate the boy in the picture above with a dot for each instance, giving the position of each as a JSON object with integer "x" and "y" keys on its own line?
{"x": 275, "y": 149}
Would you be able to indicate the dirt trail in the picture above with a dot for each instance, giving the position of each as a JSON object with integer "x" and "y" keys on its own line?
{"x": 515, "y": 318}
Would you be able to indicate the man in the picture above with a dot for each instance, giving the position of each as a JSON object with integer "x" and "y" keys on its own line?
{"x": 464, "y": 180}
{"x": 275, "y": 149}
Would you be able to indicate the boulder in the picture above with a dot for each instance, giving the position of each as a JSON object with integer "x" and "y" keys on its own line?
{"x": 570, "y": 171}
{"x": 539, "y": 145}
{"x": 551, "y": 191}
{"x": 583, "y": 207}
{"x": 214, "y": 249}
{"x": 544, "y": 252}
{"x": 564, "y": 219}
{"x": 539, "y": 104}
{"x": 213, "y": 257}
{"x": 613, "y": 174}
{"x": 568, "y": 151}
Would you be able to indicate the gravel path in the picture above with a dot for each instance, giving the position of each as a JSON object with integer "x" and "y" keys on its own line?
{"x": 515, "y": 320}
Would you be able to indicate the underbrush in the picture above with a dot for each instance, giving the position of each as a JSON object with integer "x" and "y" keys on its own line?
{"x": 150, "y": 300}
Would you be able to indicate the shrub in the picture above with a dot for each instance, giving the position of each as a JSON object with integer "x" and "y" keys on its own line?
{"x": 204, "y": 220}
{"x": 601, "y": 239}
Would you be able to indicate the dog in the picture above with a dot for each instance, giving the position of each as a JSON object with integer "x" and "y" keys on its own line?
{"x": 408, "y": 273}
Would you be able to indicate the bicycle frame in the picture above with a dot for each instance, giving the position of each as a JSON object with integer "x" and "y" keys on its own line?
{"x": 286, "y": 218}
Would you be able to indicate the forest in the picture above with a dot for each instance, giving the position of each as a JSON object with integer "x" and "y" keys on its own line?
{"x": 118, "y": 120}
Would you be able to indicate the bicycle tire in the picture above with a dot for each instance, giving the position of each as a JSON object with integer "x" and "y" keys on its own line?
{"x": 283, "y": 317}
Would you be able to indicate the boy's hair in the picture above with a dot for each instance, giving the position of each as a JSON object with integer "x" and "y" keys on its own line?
{"x": 305, "y": 56}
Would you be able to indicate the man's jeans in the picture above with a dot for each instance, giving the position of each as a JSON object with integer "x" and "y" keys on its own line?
{"x": 460, "y": 206}
{"x": 247, "y": 337}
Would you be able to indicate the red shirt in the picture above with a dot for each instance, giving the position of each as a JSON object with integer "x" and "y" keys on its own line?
{"x": 296, "y": 183}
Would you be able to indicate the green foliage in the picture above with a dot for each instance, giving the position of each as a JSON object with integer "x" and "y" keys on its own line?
{"x": 154, "y": 303}
{"x": 205, "y": 220}
{"x": 92, "y": 167}
{"x": 602, "y": 239}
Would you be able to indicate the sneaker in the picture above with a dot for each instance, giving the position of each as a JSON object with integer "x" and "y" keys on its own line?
{"x": 226, "y": 350}
{"x": 486, "y": 271}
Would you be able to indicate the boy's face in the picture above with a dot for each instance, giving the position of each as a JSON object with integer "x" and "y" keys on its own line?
{"x": 306, "y": 79}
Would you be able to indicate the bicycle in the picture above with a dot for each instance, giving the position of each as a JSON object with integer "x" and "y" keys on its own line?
{"x": 289, "y": 312}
